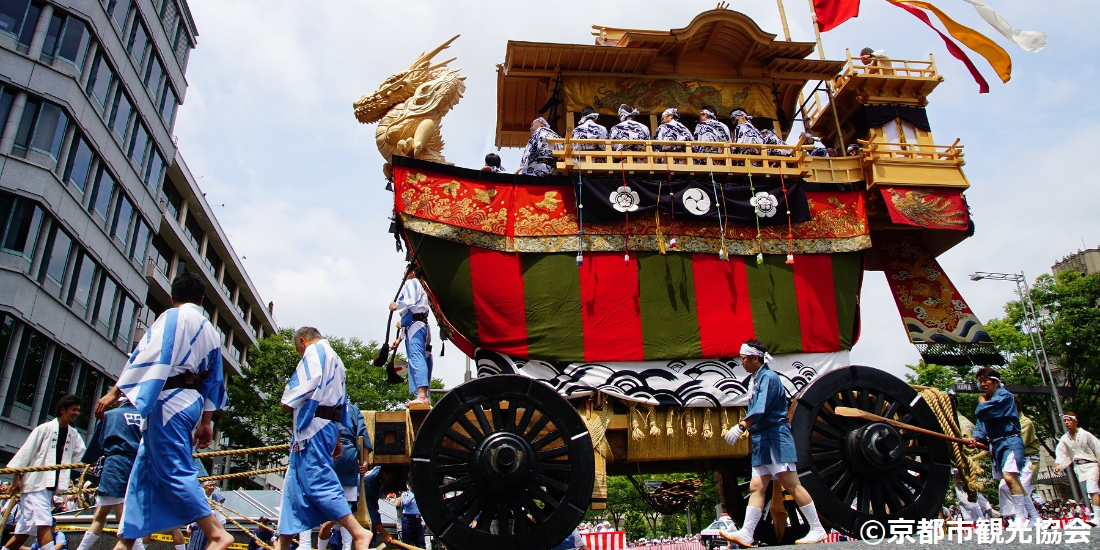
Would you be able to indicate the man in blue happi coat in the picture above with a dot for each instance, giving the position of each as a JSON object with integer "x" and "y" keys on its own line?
{"x": 316, "y": 395}
{"x": 174, "y": 379}
{"x": 412, "y": 307}
{"x": 349, "y": 466}
{"x": 999, "y": 426}
{"x": 115, "y": 441}
{"x": 773, "y": 452}
{"x": 377, "y": 483}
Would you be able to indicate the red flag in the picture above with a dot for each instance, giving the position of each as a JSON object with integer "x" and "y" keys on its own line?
{"x": 956, "y": 51}
{"x": 831, "y": 13}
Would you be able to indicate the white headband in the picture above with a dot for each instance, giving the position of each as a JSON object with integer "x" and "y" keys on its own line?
{"x": 748, "y": 350}
{"x": 590, "y": 116}
{"x": 1069, "y": 416}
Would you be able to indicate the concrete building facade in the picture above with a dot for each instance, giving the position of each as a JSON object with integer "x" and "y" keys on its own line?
{"x": 1083, "y": 262}
{"x": 97, "y": 208}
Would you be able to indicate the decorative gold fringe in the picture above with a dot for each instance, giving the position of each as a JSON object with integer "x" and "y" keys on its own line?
{"x": 725, "y": 422}
{"x": 708, "y": 432}
{"x": 651, "y": 415}
{"x": 670, "y": 429}
{"x": 689, "y": 420}
{"x": 636, "y": 432}
{"x": 597, "y": 428}
{"x": 684, "y": 442}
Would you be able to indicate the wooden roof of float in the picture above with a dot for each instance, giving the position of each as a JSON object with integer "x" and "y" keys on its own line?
{"x": 718, "y": 45}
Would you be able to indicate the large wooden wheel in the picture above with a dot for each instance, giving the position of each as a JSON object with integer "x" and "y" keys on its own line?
{"x": 858, "y": 471}
{"x": 502, "y": 462}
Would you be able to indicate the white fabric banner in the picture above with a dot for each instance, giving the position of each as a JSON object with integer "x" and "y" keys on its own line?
{"x": 1031, "y": 41}
{"x": 680, "y": 383}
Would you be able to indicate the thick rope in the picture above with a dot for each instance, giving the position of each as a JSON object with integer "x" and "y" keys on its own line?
{"x": 29, "y": 469}
{"x": 229, "y": 517}
{"x": 597, "y": 428}
{"x": 232, "y": 452}
{"x": 242, "y": 474}
{"x": 969, "y": 468}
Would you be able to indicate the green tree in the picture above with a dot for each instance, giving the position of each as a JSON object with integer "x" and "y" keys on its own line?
{"x": 634, "y": 526}
{"x": 255, "y": 417}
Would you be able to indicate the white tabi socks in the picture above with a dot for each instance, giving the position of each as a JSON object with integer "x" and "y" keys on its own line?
{"x": 744, "y": 536}
{"x": 1032, "y": 513}
{"x": 1019, "y": 503}
{"x": 181, "y": 547}
{"x": 305, "y": 540}
{"x": 138, "y": 543}
{"x": 87, "y": 542}
{"x": 322, "y": 544}
{"x": 345, "y": 538}
{"x": 817, "y": 532}
{"x": 1095, "y": 515}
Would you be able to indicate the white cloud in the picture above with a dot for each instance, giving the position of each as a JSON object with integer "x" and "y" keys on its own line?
{"x": 268, "y": 125}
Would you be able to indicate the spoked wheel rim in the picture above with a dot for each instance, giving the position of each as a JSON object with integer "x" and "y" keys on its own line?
{"x": 765, "y": 530}
{"x": 858, "y": 471}
{"x": 503, "y": 462}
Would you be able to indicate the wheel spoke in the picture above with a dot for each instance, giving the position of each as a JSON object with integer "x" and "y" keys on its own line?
{"x": 520, "y": 519}
{"x": 892, "y": 499}
{"x": 878, "y": 500}
{"x": 533, "y": 509}
{"x": 562, "y": 467}
{"x": 464, "y": 456}
{"x": 479, "y": 413}
{"x": 827, "y": 443}
{"x": 862, "y": 496}
{"x": 903, "y": 491}
{"x": 850, "y": 494}
{"x": 876, "y": 406}
{"x": 475, "y": 433}
{"x": 550, "y": 501}
{"x": 537, "y": 427}
{"x": 911, "y": 464}
{"x": 892, "y": 409}
{"x": 836, "y": 467}
{"x": 460, "y": 468}
{"x": 494, "y": 408}
{"x": 474, "y": 510}
{"x": 828, "y": 430}
{"x": 910, "y": 480}
{"x": 456, "y": 485}
{"x": 461, "y": 439}
{"x": 828, "y": 455}
{"x": 521, "y": 427}
{"x": 460, "y": 503}
{"x": 842, "y": 481}
{"x": 552, "y": 483}
{"x": 553, "y": 453}
{"x": 546, "y": 439}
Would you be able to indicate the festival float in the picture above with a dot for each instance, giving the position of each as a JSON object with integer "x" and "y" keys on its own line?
{"x": 604, "y": 305}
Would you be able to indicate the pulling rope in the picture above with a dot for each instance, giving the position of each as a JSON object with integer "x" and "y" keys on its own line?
{"x": 580, "y": 218}
{"x": 969, "y": 468}
{"x": 722, "y": 254}
{"x": 261, "y": 543}
{"x": 626, "y": 232}
{"x": 232, "y": 452}
{"x": 30, "y": 469}
{"x": 242, "y": 474}
{"x": 671, "y": 497}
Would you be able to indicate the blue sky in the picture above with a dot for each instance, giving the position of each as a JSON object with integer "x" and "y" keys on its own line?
{"x": 268, "y": 130}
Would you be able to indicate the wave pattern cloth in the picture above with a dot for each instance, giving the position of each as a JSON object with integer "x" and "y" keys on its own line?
{"x": 679, "y": 383}
{"x": 318, "y": 381}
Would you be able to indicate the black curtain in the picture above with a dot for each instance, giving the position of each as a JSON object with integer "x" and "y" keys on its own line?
{"x": 873, "y": 116}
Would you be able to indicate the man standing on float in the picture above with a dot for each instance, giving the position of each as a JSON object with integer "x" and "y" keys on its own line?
{"x": 773, "y": 452}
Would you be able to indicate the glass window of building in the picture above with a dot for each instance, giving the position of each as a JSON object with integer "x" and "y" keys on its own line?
{"x": 99, "y": 84}
{"x": 126, "y": 308}
{"x": 119, "y": 10}
{"x": 66, "y": 38}
{"x": 154, "y": 74}
{"x": 62, "y": 371}
{"x": 30, "y": 21}
{"x": 7, "y": 327}
{"x": 81, "y": 288}
{"x": 21, "y": 229}
{"x": 12, "y": 15}
{"x": 105, "y": 301}
{"x": 7, "y": 96}
{"x": 26, "y": 122}
{"x": 168, "y": 105}
{"x": 104, "y": 190}
{"x": 140, "y": 243}
{"x": 172, "y": 198}
{"x": 193, "y": 230}
{"x": 124, "y": 213}
{"x": 154, "y": 170}
{"x": 49, "y": 130}
{"x": 162, "y": 254}
{"x": 26, "y": 371}
{"x": 139, "y": 40}
{"x": 87, "y": 387}
{"x": 208, "y": 307}
{"x": 80, "y": 163}
{"x": 213, "y": 261}
{"x": 120, "y": 114}
{"x": 139, "y": 142}
{"x": 170, "y": 16}
{"x": 57, "y": 254}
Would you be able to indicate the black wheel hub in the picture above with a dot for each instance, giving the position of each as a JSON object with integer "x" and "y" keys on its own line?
{"x": 504, "y": 463}
{"x": 877, "y": 449}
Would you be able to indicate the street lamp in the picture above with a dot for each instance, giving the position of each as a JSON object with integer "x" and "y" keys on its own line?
{"x": 1032, "y": 320}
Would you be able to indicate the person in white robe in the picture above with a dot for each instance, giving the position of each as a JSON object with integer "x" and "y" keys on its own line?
{"x": 745, "y": 132}
{"x": 538, "y": 157}
{"x": 671, "y": 129}
{"x": 628, "y": 129}
{"x": 710, "y": 128}
{"x": 174, "y": 379}
{"x": 588, "y": 128}
{"x": 1081, "y": 450}
{"x": 412, "y": 309}
{"x": 317, "y": 398}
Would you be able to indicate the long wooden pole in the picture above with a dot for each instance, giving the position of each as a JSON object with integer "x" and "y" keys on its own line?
{"x": 361, "y": 514}
{"x": 787, "y": 35}
{"x": 828, "y": 87}
{"x": 852, "y": 412}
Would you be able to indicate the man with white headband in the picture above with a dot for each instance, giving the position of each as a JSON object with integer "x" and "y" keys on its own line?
{"x": 1031, "y": 464}
{"x": 671, "y": 129}
{"x": 588, "y": 128}
{"x": 773, "y": 452}
{"x": 710, "y": 129}
{"x": 628, "y": 128}
{"x": 1081, "y": 449}
{"x": 999, "y": 425}
{"x": 745, "y": 132}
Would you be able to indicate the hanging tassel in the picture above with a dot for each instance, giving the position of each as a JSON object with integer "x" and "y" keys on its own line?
{"x": 790, "y": 228}
{"x": 725, "y": 422}
{"x": 651, "y": 415}
{"x": 708, "y": 432}
{"x": 442, "y": 348}
{"x": 669, "y": 426}
{"x": 689, "y": 418}
{"x": 636, "y": 432}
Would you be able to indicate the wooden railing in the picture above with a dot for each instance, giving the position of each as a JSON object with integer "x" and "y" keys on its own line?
{"x": 889, "y": 69}
{"x": 883, "y": 150}
{"x": 730, "y": 159}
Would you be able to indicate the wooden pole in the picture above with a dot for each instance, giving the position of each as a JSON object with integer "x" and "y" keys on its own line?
{"x": 828, "y": 87}
{"x": 783, "y": 19}
{"x": 361, "y": 514}
{"x": 852, "y": 412}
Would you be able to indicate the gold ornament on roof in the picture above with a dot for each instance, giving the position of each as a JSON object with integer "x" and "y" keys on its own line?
{"x": 409, "y": 108}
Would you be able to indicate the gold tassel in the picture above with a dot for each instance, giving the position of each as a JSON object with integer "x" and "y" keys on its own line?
{"x": 708, "y": 432}
{"x": 654, "y": 431}
{"x": 725, "y": 421}
{"x": 669, "y": 427}
{"x": 689, "y": 417}
{"x": 636, "y": 432}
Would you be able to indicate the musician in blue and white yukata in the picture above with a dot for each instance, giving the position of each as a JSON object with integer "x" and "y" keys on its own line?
{"x": 999, "y": 425}
{"x": 174, "y": 379}
{"x": 588, "y": 128}
{"x": 771, "y": 139}
{"x": 412, "y": 307}
{"x": 710, "y": 129}
{"x": 671, "y": 129}
{"x": 629, "y": 129}
{"x": 538, "y": 158}
{"x": 745, "y": 132}
{"x": 492, "y": 164}
{"x": 115, "y": 441}
{"x": 773, "y": 451}
{"x": 819, "y": 149}
{"x": 316, "y": 396}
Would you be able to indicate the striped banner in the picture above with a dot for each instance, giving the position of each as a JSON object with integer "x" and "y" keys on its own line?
{"x": 646, "y": 307}
{"x": 607, "y": 540}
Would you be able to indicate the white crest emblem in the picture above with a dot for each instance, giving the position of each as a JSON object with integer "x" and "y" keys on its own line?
{"x": 696, "y": 201}
{"x": 132, "y": 419}
{"x": 765, "y": 204}
{"x": 624, "y": 199}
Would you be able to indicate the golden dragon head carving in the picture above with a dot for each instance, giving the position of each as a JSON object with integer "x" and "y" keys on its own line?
{"x": 409, "y": 105}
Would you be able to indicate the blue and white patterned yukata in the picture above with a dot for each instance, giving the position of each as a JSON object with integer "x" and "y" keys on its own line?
{"x": 672, "y": 130}
{"x": 711, "y": 130}
{"x": 312, "y": 493}
{"x": 538, "y": 158}
{"x": 589, "y": 129}
{"x": 164, "y": 491}
{"x": 747, "y": 133}
{"x": 629, "y": 129}
{"x": 772, "y": 440}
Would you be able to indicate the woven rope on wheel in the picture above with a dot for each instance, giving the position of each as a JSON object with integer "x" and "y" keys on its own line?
{"x": 961, "y": 457}
{"x": 671, "y": 497}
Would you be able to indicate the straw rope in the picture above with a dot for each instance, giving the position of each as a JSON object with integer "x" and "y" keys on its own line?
{"x": 239, "y": 526}
{"x": 969, "y": 468}
{"x": 232, "y": 452}
{"x": 29, "y": 469}
{"x": 242, "y": 474}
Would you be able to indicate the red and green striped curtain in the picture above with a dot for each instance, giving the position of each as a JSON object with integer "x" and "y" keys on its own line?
{"x": 654, "y": 307}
